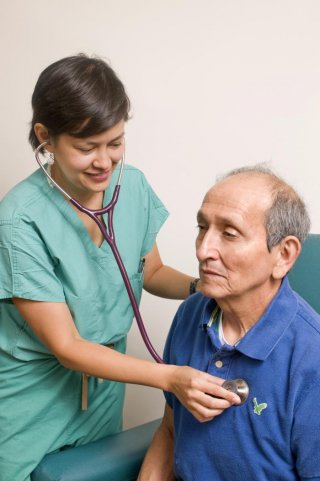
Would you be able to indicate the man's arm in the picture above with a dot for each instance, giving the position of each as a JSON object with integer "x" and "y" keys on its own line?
{"x": 305, "y": 437}
{"x": 158, "y": 463}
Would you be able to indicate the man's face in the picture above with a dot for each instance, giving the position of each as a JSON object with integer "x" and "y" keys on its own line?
{"x": 234, "y": 261}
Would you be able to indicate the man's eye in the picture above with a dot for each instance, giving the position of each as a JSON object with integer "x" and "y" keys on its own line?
{"x": 201, "y": 229}
{"x": 229, "y": 234}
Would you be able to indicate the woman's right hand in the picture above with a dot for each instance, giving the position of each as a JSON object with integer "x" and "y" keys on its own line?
{"x": 200, "y": 392}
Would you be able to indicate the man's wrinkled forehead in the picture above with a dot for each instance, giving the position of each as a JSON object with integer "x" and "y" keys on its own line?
{"x": 240, "y": 194}
{"x": 244, "y": 185}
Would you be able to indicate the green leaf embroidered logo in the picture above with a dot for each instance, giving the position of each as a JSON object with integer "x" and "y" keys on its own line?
{"x": 258, "y": 408}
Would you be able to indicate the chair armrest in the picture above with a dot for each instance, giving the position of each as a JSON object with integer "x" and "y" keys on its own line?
{"x": 114, "y": 458}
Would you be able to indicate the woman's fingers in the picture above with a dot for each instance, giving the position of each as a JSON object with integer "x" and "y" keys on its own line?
{"x": 202, "y": 393}
{"x": 205, "y": 407}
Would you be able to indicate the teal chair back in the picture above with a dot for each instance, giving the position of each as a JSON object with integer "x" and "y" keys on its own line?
{"x": 305, "y": 274}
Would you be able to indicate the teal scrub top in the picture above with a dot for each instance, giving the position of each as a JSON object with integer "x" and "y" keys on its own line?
{"x": 46, "y": 254}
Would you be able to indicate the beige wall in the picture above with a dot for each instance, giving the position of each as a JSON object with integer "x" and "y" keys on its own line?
{"x": 214, "y": 85}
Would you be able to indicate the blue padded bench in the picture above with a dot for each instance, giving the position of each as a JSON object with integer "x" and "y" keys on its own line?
{"x": 113, "y": 458}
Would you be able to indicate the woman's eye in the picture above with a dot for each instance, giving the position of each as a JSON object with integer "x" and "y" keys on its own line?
{"x": 85, "y": 149}
{"x": 116, "y": 146}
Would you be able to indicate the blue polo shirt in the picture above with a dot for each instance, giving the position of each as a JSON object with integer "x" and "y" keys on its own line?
{"x": 275, "y": 435}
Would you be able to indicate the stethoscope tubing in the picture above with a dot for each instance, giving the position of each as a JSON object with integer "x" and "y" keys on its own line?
{"x": 111, "y": 240}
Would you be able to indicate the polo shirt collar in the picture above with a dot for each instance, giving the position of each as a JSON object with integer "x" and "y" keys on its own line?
{"x": 262, "y": 338}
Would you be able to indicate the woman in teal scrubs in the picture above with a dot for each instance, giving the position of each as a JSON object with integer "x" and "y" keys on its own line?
{"x": 64, "y": 311}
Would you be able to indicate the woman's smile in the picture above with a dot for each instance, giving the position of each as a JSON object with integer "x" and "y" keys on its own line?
{"x": 99, "y": 176}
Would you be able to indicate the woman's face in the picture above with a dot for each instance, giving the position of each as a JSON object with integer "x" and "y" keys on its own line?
{"x": 83, "y": 166}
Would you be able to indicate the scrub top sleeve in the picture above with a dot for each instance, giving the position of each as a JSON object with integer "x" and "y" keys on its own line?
{"x": 156, "y": 214}
{"x": 5, "y": 264}
{"x": 305, "y": 434}
{"x": 27, "y": 269}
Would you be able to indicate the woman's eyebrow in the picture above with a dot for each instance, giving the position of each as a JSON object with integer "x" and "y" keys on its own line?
{"x": 118, "y": 137}
{"x": 92, "y": 142}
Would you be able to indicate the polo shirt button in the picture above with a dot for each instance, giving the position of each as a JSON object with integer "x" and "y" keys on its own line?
{"x": 218, "y": 364}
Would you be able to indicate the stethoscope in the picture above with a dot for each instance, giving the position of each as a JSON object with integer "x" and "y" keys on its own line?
{"x": 108, "y": 234}
{"x": 238, "y": 386}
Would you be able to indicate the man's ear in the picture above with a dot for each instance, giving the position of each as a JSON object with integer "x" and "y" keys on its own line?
{"x": 287, "y": 253}
{"x": 42, "y": 134}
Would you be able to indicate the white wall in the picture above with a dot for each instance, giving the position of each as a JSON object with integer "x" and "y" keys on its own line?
{"x": 214, "y": 85}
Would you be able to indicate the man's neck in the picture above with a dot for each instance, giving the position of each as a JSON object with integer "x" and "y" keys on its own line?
{"x": 240, "y": 314}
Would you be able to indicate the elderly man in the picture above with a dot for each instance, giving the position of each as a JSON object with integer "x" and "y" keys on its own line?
{"x": 246, "y": 323}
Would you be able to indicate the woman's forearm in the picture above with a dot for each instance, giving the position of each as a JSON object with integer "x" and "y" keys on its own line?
{"x": 104, "y": 362}
{"x": 162, "y": 280}
{"x": 198, "y": 391}
{"x": 169, "y": 283}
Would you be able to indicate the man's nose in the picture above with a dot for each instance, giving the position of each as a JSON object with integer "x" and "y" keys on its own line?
{"x": 207, "y": 247}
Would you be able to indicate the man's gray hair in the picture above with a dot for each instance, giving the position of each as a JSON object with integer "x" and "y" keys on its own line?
{"x": 287, "y": 215}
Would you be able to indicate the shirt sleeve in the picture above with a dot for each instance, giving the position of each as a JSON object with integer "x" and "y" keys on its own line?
{"x": 305, "y": 434}
{"x": 27, "y": 269}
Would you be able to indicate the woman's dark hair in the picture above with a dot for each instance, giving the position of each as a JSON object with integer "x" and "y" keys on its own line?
{"x": 79, "y": 96}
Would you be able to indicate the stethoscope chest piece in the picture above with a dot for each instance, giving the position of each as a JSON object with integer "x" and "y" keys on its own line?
{"x": 239, "y": 387}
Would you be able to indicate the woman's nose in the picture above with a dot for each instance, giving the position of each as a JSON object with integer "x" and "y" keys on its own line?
{"x": 102, "y": 159}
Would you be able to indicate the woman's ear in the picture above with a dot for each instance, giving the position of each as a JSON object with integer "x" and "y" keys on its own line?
{"x": 287, "y": 253}
{"x": 42, "y": 134}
